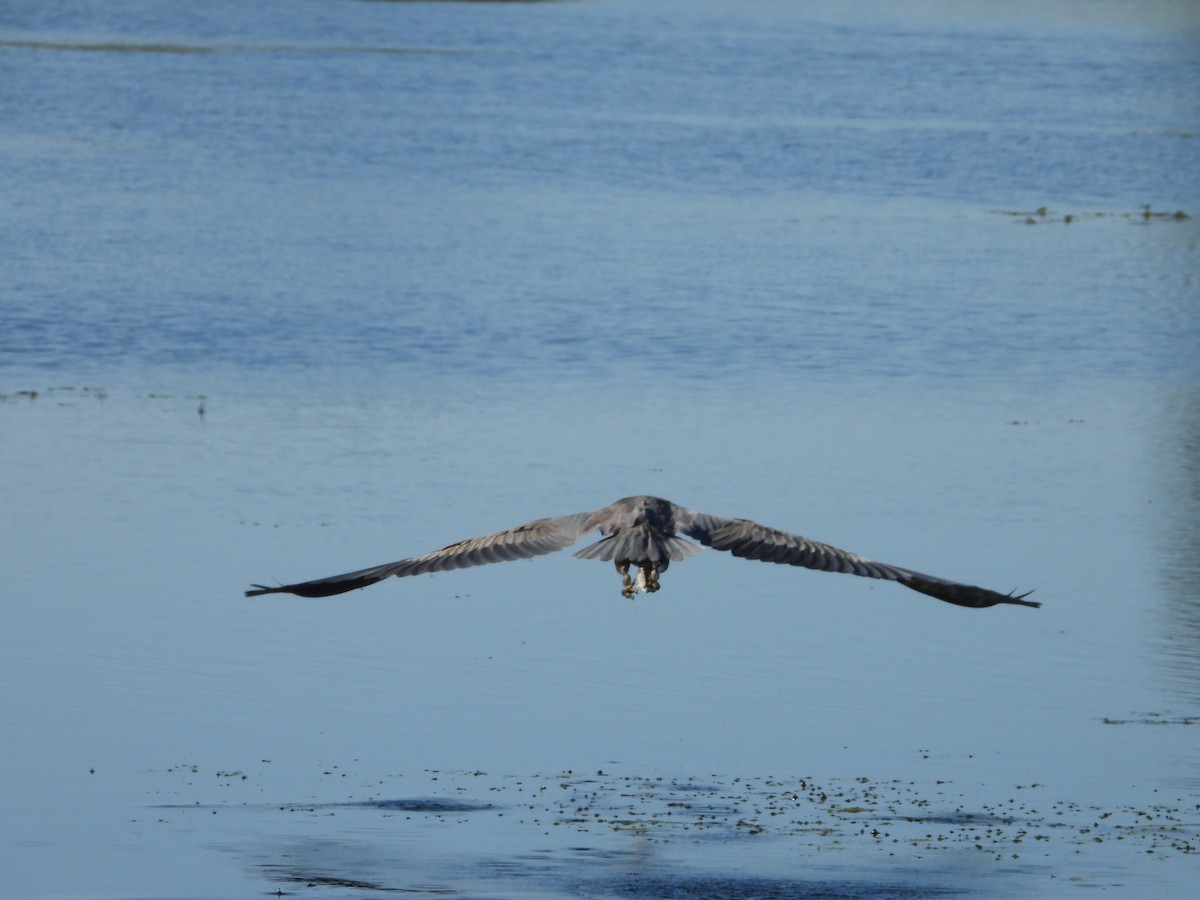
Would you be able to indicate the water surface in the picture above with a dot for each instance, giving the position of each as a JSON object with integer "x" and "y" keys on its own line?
{"x": 296, "y": 289}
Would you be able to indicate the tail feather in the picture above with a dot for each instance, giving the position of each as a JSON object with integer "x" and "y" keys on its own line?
{"x": 640, "y": 545}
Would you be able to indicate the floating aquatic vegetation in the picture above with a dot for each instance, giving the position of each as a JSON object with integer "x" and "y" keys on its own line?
{"x": 1045, "y": 215}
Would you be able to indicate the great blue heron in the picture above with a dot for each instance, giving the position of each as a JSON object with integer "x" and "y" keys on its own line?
{"x": 643, "y": 532}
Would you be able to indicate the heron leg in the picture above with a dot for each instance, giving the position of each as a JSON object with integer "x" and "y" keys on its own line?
{"x": 648, "y": 578}
{"x": 627, "y": 586}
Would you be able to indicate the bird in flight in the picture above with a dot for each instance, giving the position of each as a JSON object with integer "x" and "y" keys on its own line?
{"x": 644, "y": 533}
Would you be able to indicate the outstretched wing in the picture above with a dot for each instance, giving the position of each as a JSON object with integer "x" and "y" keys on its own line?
{"x": 531, "y": 539}
{"x": 749, "y": 540}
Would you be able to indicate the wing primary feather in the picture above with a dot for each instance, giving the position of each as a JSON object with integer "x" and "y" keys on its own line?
{"x": 750, "y": 540}
{"x": 531, "y": 539}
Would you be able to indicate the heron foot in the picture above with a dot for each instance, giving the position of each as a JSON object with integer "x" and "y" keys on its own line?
{"x": 649, "y": 579}
{"x": 628, "y": 588}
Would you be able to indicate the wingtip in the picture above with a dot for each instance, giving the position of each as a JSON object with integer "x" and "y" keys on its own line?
{"x": 1020, "y": 600}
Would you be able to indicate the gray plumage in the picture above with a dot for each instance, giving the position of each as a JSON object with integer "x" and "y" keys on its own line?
{"x": 644, "y": 532}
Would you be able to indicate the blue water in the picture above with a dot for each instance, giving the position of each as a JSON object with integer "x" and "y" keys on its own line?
{"x": 439, "y": 187}
{"x": 290, "y": 289}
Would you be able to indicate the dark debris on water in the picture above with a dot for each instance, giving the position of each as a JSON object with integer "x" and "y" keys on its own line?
{"x": 893, "y": 816}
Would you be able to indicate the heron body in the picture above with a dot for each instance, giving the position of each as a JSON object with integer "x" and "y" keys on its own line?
{"x": 644, "y": 533}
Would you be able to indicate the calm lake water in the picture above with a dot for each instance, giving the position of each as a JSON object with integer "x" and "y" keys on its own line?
{"x": 295, "y": 288}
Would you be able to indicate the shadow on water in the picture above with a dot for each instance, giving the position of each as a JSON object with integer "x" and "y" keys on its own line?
{"x": 768, "y": 888}
{"x": 1177, "y": 466}
{"x": 579, "y": 871}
